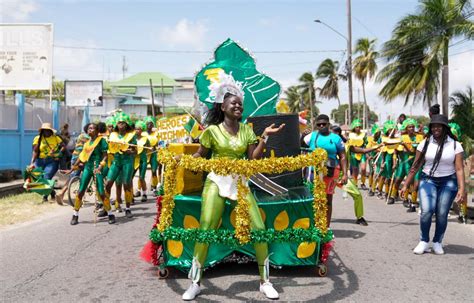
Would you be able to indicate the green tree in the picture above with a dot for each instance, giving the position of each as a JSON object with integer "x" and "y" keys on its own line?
{"x": 307, "y": 88}
{"x": 293, "y": 98}
{"x": 419, "y": 50}
{"x": 339, "y": 114}
{"x": 328, "y": 70}
{"x": 365, "y": 64}
{"x": 461, "y": 104}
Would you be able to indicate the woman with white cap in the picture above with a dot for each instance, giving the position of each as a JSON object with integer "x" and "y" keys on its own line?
{"x": 47, "y": 150}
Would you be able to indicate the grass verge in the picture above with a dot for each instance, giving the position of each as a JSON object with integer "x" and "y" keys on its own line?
{"x": 23, "y": 207}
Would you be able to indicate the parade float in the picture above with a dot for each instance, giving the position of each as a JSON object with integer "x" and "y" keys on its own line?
{"x": 293, "y": 210}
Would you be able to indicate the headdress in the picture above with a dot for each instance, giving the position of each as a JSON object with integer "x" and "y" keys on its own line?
{"x": 149, "y": 119}
{"x": 110, "y": 121}
{"x": 388, "y": 125}
{"x": 224, "y": 84}
{"x": 140, "y": 124}
{"x": 455, "y": 129}
{"x": 122, "y": 117}
{"x": 356, "y": 123}
{"x": 375, "y": 129}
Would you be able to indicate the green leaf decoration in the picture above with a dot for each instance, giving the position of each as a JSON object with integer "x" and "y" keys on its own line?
{"x": 261, "y": 91}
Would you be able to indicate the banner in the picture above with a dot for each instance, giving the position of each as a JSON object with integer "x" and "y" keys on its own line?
{"x": 26, "y": 56}
{"x": 83, "y": 93}
{"x": 172, "y": 129}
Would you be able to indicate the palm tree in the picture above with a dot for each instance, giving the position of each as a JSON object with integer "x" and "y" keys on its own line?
{"x": 328, "y": 69}
{"x": 365, "y": 66}
{"x": 436, "y": 23}
{"x": 293, "y": 99}
{"x": 461, "y": 104}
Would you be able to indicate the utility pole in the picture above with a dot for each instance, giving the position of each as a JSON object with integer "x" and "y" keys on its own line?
{"x": 349, "y": 56}
{"x": 124, "y": 67}
{"x": 152, "y": 99}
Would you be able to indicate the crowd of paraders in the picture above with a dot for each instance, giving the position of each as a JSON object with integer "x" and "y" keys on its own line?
{"x": 398, "y": 160}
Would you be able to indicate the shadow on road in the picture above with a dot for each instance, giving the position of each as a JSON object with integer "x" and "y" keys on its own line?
{"x": 453, "y": 249}
{"x": 343, "y": 233}
{"x": 344, "y": 281}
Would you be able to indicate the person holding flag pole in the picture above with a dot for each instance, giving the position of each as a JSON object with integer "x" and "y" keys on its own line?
{"x": 152, "y": 135}
{"x": 94, "y": 157}
{"x": 141, "y": 160}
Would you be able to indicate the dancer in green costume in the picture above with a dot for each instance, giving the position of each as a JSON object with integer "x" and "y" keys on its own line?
{"x": 124, "y": 155}
{"x": 141, "y": 157}
{"x": 357, "y": 160}
{"x": 226, "y": 136}
{"x": 94, "y": 156}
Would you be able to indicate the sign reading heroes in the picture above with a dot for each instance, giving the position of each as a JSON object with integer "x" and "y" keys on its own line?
{"x": 26, "y": 56}
{"x": 172, "y": 128}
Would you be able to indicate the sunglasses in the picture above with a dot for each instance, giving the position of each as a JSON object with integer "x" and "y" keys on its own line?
{"x": 321, "y": 124}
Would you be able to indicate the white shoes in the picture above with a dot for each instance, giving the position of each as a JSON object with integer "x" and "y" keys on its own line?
{"x": 438, "y": 248}
{"x": 267, "y": 289}
{"x": 192, "y": 292}
{"x": 422, "y": 247}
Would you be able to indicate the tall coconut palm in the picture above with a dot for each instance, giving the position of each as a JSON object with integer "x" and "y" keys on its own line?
{"x": 432, "y": 28}
{"x": 461, "y": 104}
{"x": 365, "y": 66}
{"x": 293, "y": 98}
{"x": 328, "y": 69}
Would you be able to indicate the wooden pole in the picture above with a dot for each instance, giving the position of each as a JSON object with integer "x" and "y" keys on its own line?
{"x": 152, "y": 99}
{"x": 163, "y": 97}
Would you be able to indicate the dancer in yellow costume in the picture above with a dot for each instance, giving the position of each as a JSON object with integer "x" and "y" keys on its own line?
{"x": 122, "y": 145}
{"x": 406, "y": 154}
{"x": 141, "y": 160}
{"x": 357, "y": 160}
{"x": 373, "y": 140}
{"x": 388, "y": 159}
{"x": 153, "y": 159}
{"x": 227, "y": 137}
{"x": 93, "y": 155}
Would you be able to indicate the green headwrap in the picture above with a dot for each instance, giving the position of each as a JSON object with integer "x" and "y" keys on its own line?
{"x": 356, "y": 123}
{"x": 455, "y": 129}
{"x": 390, "y": 124}
{"x": 375, "y": 129}
{"x": 110, "y": 121}
{"x": 425, "y": 129}
{"x": 122, "y": 117}
{"x": 409, "y": 121}
{"x": 149, "y": 119}
{"x": 140, "y": 124}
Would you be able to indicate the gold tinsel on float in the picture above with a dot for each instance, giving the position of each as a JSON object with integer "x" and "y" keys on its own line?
{"x": 245, "y": 169}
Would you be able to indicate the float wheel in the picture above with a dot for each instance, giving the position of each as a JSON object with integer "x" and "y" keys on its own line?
{"x": 322, "y": 270}
{"x": 163, "y": 273}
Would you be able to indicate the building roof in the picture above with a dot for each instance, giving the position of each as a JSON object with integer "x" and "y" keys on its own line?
{"x": 143, "y": 79}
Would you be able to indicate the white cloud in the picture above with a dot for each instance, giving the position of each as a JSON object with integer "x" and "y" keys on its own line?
{"x": 185, "y": 33}
{"x": 77, "y": 64}
{"x": 269, "y": 22}
{"x": 17, "y": 10}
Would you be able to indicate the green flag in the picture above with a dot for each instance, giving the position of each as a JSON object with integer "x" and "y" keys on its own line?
{"x": 261, "y": 91}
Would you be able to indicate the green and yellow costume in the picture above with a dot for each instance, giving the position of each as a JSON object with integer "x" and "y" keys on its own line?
{"x": 91, "y": 155}
{"x": 152, "y": 158}
{"x": 141, "y": 156}
{"x": 357, "y": 140}
{"x": 222, "y": 144}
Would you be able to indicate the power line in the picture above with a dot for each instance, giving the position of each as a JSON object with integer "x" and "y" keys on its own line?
{"x": 195, "y": 51}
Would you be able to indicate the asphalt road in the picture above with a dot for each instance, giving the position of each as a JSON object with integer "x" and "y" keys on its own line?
{"x": 50, "y": 261}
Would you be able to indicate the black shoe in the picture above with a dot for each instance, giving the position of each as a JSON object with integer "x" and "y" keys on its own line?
{"x": 391, "y": 200}
{"x": 137, "y": 194}
{"x": 144, "y": 198}
{"x": 45, "y": 198}
{"x": 371, "y": 193}
{"x": 102, "y": 213}
{"x": 128, "y": 213}
{"x": 99, "y": 206}
{"x": 363, "y": 187}
{"x": 406, "y": 203}
{"x": 361, "y": 221}
{"x": 411, "y": 209}
{"x": 111, "y": 219}
{"x": 53, "y": 195}
{"x": 462, "y": 219}
{"x": 74, "y": 220}
{"x": 380, "y": 196}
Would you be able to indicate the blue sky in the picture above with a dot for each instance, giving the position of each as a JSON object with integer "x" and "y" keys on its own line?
{"x": 202, "y": 25}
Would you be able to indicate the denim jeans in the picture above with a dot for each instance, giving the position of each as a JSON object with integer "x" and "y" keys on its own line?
{"x": 49, "y": 166}
{"x": 436, "y": 197}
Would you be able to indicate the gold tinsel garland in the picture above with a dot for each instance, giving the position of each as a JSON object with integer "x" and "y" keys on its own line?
{"x": 244, "y": 168}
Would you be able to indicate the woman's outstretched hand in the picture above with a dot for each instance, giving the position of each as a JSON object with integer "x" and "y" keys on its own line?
{"x": 272, "y": 129}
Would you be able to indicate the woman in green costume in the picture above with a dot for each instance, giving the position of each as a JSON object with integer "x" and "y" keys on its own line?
{"x": 122, "y": 145}
{"x": 227, "y": 137}
{"x": 94, "y": 157}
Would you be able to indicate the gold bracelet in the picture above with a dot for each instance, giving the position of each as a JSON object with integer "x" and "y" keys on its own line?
{"x": 102, "y": 163}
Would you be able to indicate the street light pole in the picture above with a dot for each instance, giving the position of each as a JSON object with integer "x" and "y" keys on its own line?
{"x": 349, "y": 56}
{"x": 349, "y": 53}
